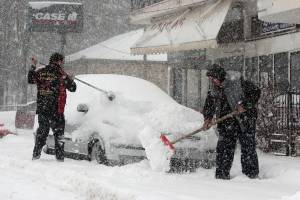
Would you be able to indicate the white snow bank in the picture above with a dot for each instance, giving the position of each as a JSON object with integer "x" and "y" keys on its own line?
{"x": 293, "y": 197}
{"x": 22, "y": 179}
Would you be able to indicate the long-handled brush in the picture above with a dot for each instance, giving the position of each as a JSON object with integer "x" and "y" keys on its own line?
{"x": 109, "y": 95}
{"x": 170, "y": 144}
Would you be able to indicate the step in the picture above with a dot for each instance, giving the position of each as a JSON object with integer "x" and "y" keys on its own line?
{"x": 278, "y": 134}
{"x": 279, "y": 141}
{"x": 279, "y": 154}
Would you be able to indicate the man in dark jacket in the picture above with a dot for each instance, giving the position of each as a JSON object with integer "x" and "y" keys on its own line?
{"x": 228, "y": 95}
{"x": 52, "y": 83}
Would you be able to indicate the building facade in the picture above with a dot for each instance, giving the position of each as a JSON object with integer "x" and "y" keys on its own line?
{"x": 264, "y": 52}
{"x": 153, "y": 71}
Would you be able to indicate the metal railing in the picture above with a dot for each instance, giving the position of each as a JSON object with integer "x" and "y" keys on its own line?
{"x": 281, "y": 123}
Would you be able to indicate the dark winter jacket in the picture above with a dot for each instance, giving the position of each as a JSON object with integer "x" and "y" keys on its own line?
{"x": 52, "y": 83}
{"x": 223, "y": 100}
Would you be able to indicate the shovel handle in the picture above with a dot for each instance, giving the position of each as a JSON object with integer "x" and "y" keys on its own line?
{"x": 232, "y": 114}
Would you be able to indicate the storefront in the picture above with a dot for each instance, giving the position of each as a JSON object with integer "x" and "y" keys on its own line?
{"x": 264, "y": 52}
{"x": 185, "y": 35}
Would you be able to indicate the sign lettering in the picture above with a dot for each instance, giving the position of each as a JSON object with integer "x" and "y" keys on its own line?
{"x": 55, "y": 17}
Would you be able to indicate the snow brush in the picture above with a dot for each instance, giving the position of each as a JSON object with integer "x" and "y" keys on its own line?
{"x": 170, "y": 144}
{"x": 109, "y": 95}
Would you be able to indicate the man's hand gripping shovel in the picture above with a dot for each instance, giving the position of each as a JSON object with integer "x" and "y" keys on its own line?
{"x": 170, "y": 144}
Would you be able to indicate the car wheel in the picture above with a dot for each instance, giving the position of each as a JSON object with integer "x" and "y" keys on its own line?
{"x": 98, "y": 154}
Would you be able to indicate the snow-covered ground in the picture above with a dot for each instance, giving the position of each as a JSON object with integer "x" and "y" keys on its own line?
{"x": 23, "y": 179}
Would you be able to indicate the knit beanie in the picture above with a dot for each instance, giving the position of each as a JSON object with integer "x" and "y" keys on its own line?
{"x": 56, "y": 57}
{"x": 216, "y": 71}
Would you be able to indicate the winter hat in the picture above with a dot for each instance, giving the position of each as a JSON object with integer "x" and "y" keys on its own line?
{"x": 56, "y": 57}
{"x": 216, "y": 71}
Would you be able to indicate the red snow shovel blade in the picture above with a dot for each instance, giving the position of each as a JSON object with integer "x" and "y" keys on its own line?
{"x": 167, "y": 142}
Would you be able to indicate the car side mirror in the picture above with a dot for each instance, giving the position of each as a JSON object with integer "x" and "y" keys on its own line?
{"x": 82, "y": 108}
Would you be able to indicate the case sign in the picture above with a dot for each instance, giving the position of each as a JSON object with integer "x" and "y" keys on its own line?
{"x": 62, "y": 17}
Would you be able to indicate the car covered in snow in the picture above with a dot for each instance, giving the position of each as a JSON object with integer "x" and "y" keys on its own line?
{"x": 108, "y": 131}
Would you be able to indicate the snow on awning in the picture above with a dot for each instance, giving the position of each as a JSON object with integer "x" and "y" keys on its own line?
{"x": 115, "y": 48}
{"x": 279, "y": 11}
{"x": 195, "y": 28}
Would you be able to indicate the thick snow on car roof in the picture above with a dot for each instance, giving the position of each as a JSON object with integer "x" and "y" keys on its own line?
{"x": 138, "y": 104}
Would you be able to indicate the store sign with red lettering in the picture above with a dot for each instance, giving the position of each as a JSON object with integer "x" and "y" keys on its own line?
{"x": 55, "y": 17}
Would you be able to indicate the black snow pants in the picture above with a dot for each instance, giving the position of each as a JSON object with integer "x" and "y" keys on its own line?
{"x": 57, "y": 123}
{"x": 229, "y": 132}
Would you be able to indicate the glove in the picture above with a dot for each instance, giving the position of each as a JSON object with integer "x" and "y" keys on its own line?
{"x": 71, "y": 76}
{"x": 33, "y": 63}
{"x": 240, "y": 109}
{"x": 207, "y": 124}
{"x": 33, "y": 67}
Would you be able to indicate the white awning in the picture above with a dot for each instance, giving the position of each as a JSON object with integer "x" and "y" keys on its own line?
{"x": 195, "y": 28}
{"x": 115, "y": 48}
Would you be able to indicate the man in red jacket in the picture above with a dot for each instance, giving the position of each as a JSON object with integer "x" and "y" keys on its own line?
{"x": 52, "y": 83}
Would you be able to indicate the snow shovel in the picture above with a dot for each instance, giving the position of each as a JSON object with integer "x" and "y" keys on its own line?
{"x": 109, "y": 95}
{"x": 170, "y": 144}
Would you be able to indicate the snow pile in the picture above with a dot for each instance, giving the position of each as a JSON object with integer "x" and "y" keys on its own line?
{"x": 294, "y": 197}
{"x": 158, "y": 154}
{"x": 23, "y": 179}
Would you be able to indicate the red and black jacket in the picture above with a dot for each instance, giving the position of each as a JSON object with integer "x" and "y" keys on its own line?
{"x": 52, "y": 83}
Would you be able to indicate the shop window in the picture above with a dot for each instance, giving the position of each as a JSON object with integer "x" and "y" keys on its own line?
{"x": 251, "y": 69}
{"x": 281, "y": 70}
{"x": 295, "y": 70}
{"x": 177, "y": 84}
{"x": 266, "y": 70}
{"x": 193, "y": 88}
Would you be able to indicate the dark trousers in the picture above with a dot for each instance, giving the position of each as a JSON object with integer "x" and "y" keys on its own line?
{"x": 229, "y": 133}
{"x": 57, "y": 123}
